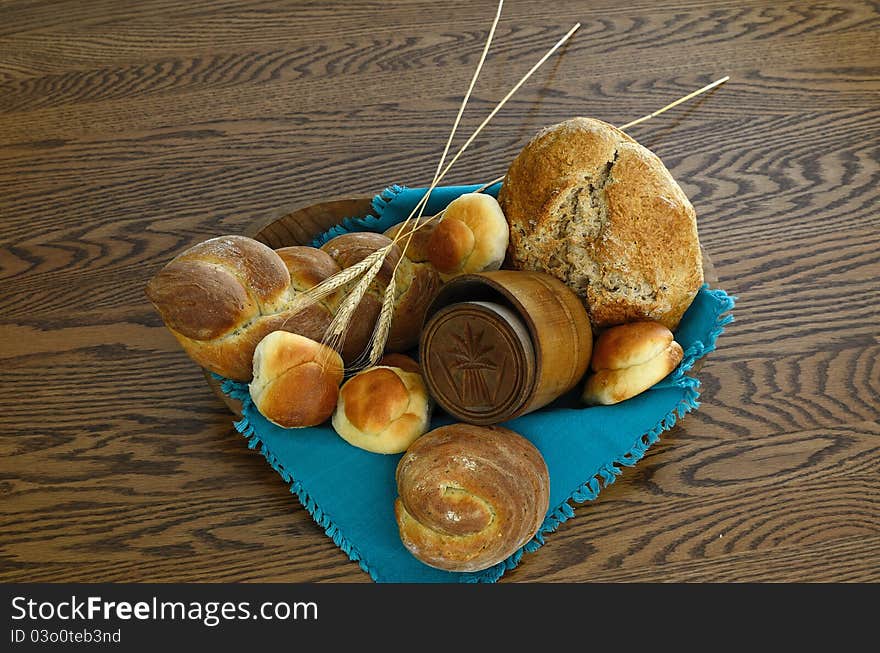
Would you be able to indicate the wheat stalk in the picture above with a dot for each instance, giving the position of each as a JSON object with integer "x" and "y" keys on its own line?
{"x": 328, "y": 286}
{"x": 379, "y": 336}
{"x": 685, "y": 98}
{"x": 339, "y": 325}
{"x": 369, "y": 267}
{"x": 689, "y": 96}
{"x": 461, "y": 108}
{"x": 485, "y": 122}
{"x": 334, "y": 336}
{"x": 383, "y": 326}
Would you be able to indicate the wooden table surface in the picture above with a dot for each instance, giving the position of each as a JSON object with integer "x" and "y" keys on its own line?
{"x": 132, "y": 130}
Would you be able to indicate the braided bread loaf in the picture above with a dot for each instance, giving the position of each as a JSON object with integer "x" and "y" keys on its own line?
{"x": 470, "y": 496}
{"x": 222, "y": 296}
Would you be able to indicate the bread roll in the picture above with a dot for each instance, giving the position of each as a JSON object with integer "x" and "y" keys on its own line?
{"x": 472, "y": 237}
{"x": 415, "y": 287}
{"x": 589, "y": 205}
{"x": 402, "y": 361}
{"x": 295, "y": 380}
{"x": 224, "y": 295}
{"x": 308, "y": 266}
{"x": 383, "y": 409}
{"x": 470, "y": 496}
{"x": 218, "y": 285}
{"x": 417, "y": 250}
{"x": 628, "y": 359}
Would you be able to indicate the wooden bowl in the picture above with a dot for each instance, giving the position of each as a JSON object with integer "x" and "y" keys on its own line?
{"x": 301, "y": 226}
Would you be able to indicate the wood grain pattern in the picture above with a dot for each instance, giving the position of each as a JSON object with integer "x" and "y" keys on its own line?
{"x": 130, "y": 131}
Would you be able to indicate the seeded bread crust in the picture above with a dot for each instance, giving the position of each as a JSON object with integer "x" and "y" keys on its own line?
{"x": 589, "y": 205}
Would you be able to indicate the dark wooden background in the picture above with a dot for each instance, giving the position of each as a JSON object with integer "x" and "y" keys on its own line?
{"x": 132, "y": 130}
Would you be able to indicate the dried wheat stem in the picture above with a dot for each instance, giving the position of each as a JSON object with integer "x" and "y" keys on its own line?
{"x": 315, "y": 294}
{"x": 455, "y": 124}
{"x": 707, "y": 87}
{"x": 379, "y": 336}
{"x": 470, "y": 89}
{"x": 491, "y": 115}
{"x": 383, "y": 326}
{"x": 339, "y": 323}
{"x": 336, "y": 281}
{"x": 419, "y": 207}
{"x": 687, "y": 97}
{"x": 439, "y": 216}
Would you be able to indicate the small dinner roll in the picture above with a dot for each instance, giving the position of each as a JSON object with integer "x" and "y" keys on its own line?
{"x": 628, "y": 359}
{"x": 383, "y": 409}
{"x": 402, "y": 361}
{"x": 296, "y": 380}
{"x": 421, "y": 229}
{"x": 472, "y": 237}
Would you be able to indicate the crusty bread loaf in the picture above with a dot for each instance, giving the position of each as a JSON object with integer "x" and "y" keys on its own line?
{"x": 470, "y": 496}
{"x": 224, "y": 295}
{"x": 308, "y": 266}
{"x": 295, "y": 380}
{"x": 415, "y": 287}
{"x": 628, "y": 359}
{"x": 472, "y": 237}
{"x": 214, "y": 287}
{"x": 588, "y": 204}
{"x": 383, "y": 409}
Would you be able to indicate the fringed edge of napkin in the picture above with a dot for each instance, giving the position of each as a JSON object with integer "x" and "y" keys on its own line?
{"x": 608, "y": 473}
{"x": 372, "y": 222}
{"x": 243, "y": 426}
{"x": 588, "y": 491}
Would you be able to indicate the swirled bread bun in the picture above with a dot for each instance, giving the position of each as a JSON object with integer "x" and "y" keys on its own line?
{"x": 470, "y": 496}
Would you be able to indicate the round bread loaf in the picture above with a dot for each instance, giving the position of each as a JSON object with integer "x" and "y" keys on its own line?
{"x": 470, "y": 496}
{"x": 472, "y": 237}
{"x": 589, "y": 205}
{"x": 383, "y": 408}
{"x": 295, "y": 380}
{"x": 628, "y": 359}
{"x": 222, "y": 296}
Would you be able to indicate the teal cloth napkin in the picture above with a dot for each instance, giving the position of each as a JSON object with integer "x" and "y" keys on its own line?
{"x": 350, "y": 492}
